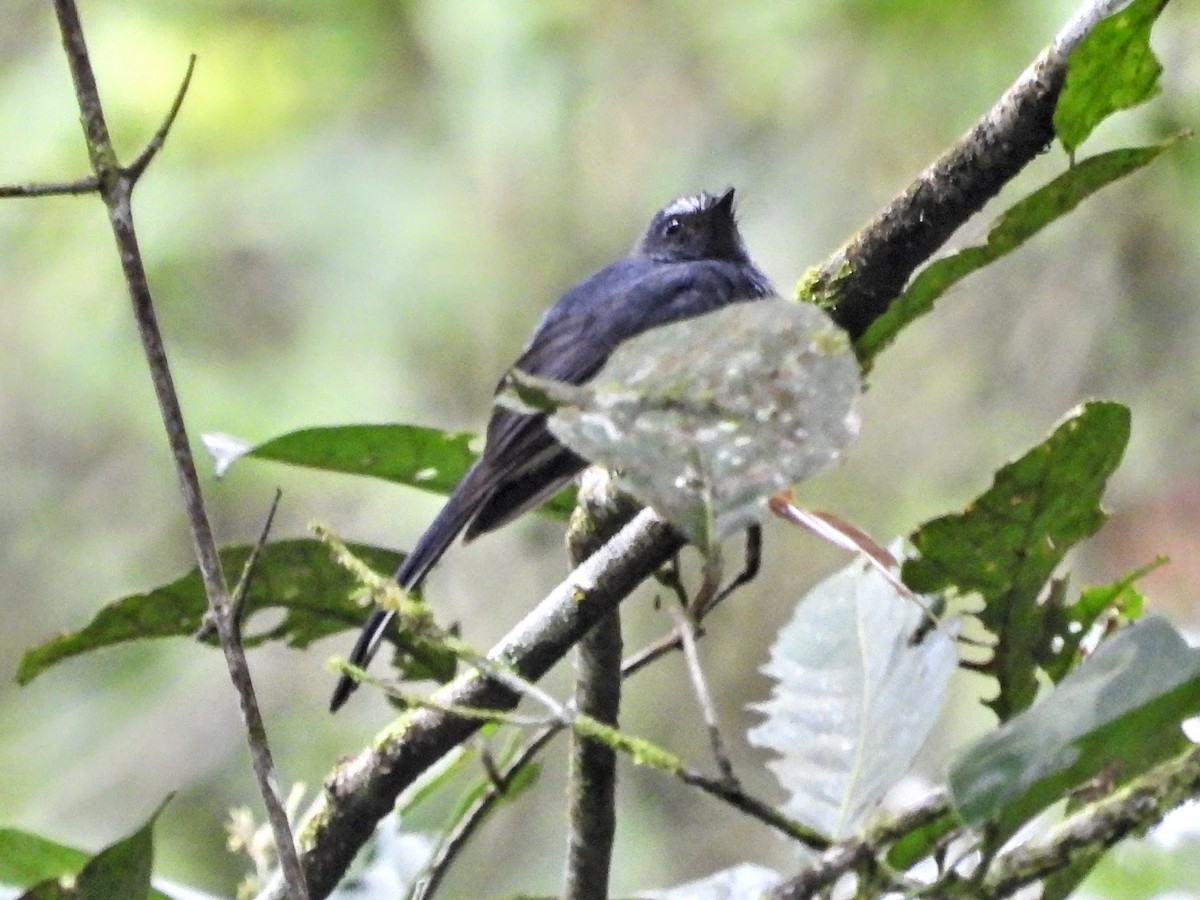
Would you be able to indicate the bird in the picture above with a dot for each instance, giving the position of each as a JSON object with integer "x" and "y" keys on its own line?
{"x": 690, "y": 260}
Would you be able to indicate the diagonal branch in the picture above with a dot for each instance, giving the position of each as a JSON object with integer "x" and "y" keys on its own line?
{"x": 138, "y": 166}
{"x": 859, "y": 281}
{"x": 363, "y": 789}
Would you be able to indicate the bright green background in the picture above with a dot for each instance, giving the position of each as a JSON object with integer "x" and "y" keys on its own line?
{"x": 361, "y": 213}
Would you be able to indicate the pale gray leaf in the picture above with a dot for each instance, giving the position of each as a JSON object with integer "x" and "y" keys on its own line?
{"x": 854, "y": 700}
{"x": 706, "y": 418}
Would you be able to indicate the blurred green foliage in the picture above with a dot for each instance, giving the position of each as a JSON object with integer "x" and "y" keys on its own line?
{"x": 361, "y": 213}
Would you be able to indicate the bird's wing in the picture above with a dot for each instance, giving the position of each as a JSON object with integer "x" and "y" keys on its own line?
{"x": 578, "y": 334}
{"x": 524, "y": 463}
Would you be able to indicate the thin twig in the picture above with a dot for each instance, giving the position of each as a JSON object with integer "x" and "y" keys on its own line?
{"x": 246, "y": 581}
{"x": 755, "y": 808}
{"x": 753, "y": 562}
{"x": 673, "y": 640}
{"x": 87, "y": 185}
{"x": 138, "y": 166}
{"x": 116, "y": 186}
{"x": 250, "y": 569}
{"x": 686, "y": 631}
{"x": 452, "y": 844}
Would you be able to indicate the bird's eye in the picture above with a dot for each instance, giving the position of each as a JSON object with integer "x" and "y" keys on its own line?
{"x": 672, "y": 227}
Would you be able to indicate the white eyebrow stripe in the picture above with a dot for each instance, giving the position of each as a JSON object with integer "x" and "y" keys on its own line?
{"x": 685, "y": 205}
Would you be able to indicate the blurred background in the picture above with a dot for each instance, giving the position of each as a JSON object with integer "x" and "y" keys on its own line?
{"x": 360, "y": 215}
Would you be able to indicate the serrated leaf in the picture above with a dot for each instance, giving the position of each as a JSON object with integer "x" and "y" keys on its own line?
{"x": 1013, "y": 228}
{"x": 854, "y": 699}
{"x": 424, "y": 458}
{"x": 297, "y": 576}
{"x": 704, "y": 419}
{"x": 1113, "y": 68}
{"x": 1119, "y": 711}
{"x": 1008, "y": 542}
{"x": 120, "y": 870}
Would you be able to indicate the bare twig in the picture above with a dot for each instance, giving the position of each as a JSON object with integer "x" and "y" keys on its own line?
{"x": 116, "y": 186}
{"x": 138, "y": 166}
{"x": 427, "y": 883}
{"x": 87, "y": 185}
{"x": 750, "y": 567}
{"x": 752, "y": 806}
{"x": 673, "y": 641}
{"x": 242, "y": 590}
{"x": 686, "y": 630}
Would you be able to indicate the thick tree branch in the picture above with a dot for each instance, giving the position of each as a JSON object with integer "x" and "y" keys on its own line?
{"x": 861, "y": 279}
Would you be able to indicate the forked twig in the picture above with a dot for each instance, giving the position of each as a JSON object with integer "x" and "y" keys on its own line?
{"x": 115, "y": 184}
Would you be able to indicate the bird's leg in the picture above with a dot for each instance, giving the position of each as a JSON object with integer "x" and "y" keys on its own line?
{"x": 671, "y": 576}
{"x": 750, "y": 567}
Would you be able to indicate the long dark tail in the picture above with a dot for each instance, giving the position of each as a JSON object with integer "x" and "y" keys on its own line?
{"x": 461, "y": 507}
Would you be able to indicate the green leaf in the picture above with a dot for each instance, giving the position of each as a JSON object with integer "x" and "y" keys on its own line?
{"x": 1007, "y": 543}
{"x": 27, "y": 858}
{"x": 424, "y": 458}
{"x": 1012, "y": 229}
{"x": 919, "y": 843}
{"x": 298, "y": 577}
{"x": 1113, "y": 68}
{"x": 1118, "y": 713}
{"x": 1073, "y": 623}
{"x": 1062, "y": 884}
{"x": 705, "y": 418}
{"x": 854, "y": 700}
{"x": 120, "y": 870}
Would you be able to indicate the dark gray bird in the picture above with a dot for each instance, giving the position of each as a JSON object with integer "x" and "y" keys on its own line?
{"x": 690, "y": 261}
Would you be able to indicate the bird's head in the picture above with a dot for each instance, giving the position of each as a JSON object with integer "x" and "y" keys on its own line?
{"x": 692, "y": 228}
